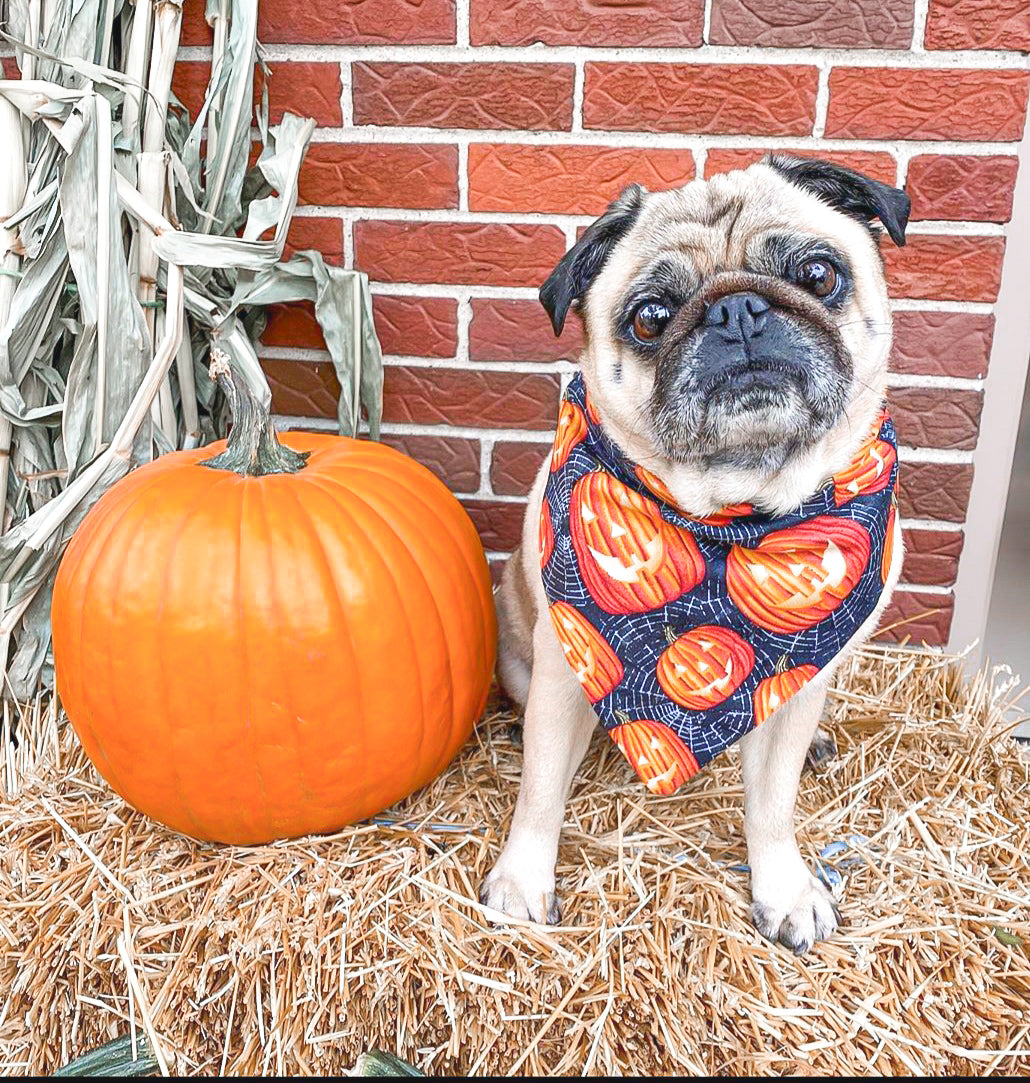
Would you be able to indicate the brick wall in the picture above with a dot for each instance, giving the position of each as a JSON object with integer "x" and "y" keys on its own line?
{"x": 463, "y": 143}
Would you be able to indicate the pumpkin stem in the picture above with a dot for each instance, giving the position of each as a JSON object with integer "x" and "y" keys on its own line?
{"x": 782, "y": 664}
{"x": 254, "y": 449}
{"x": 670, "y": 635}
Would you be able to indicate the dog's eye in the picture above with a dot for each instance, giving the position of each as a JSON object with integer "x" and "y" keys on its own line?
{"x": 818, "y": 276}
{"x": 649, "y": 321}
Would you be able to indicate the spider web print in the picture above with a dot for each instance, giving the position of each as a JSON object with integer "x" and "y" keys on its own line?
{"x": 639, "y": 639}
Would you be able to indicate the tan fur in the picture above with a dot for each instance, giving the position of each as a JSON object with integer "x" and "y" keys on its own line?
{"x": 714, "y": 223}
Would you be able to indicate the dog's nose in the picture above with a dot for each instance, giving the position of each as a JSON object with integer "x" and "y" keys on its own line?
{"x": 740, "y": 316}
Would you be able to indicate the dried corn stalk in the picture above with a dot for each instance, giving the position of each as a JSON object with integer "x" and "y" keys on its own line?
{"x": 130, "y": 241}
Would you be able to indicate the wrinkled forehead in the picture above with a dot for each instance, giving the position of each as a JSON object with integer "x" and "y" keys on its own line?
{"x": 727, "y": 223}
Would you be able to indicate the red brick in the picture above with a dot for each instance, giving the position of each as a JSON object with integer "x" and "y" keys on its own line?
{"x": 746, "y": 99}
{"x": 323, "y": 234}
{"x": 380, "y": 175}
{"x": 514, "y": 465}
{"x": 962, "y": 186}
{"x": 453, "y": 459}
{"x": 581, "y": 22}
{"x": 931, "y": 557}
{"x": 978, "y": 24}
{"x": 876, "y": 164}
{"x": 9, "y": 67}
{"x": 567, "y": 180}
{"x": 491, "y": 254}
{"x": 416, "y": 326}
{"x": 300, "y": 87}
{"x": 302, "y": 388}
{"x": 330, "y": 22}
{"x": 533, "y": 96}
{"x": 945, "y": 268}
{"x": 935, "y": 490}
{"x": 936, "y": 417}
{"x": 942, "y": 343}
{"x": 435, "y": 396}
{"x": 881, "y": 24}
{"x": 293, "y": 326}
{"x": 918, "y": 103}
{"x": 917, "y": 618}
{"x": 520, "y": 331}
{"x": 499, "y": 524}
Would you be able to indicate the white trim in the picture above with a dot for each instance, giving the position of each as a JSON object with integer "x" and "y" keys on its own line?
{"x": 999, "y": 426}
{"x": 975, "y": 59}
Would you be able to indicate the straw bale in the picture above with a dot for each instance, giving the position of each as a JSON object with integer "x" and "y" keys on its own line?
{"x": 293, "y": 958}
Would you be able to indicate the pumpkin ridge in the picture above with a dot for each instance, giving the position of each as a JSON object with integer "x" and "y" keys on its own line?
{"x": 448, "y": 524}
{"x": 427, "y": 705}
{"x": 401, "y": 511}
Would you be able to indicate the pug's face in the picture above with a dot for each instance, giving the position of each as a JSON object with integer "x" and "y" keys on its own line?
{"x": 736, "y": 322}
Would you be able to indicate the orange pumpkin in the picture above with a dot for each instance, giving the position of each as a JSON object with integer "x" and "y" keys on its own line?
{"x": 571, "y": 428}
{"x": 724, "y": 515}
{"x": 796, "y": 577}
{"x": 868, "y": 472}
{"x": 630, "y": 558}
{"x": 546, "y": 533}
{"x": 705, "y": 666}
{"x": 655, "y": 484}
{"x": 277, "y": 641}
{"x": 596, "y": 665}
{"x": 656, "y": 753}
{"x": 888, "y": 543}
{"x": 774, "y": 691}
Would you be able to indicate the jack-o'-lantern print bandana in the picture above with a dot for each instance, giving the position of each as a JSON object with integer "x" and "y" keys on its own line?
{"x": 687, "y": 633}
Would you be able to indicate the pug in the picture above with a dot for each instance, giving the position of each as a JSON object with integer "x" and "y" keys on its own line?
{"x": 716, "y": 525}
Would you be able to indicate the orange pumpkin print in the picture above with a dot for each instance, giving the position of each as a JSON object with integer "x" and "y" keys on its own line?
{"x": 704, "y": 667}
{"x": 797, "y": 577}
{"x": 595, "y": 664}
{"x": 654, "y": 484}
{"x": 546, "y": 533}
{"x": 724, "y": 515}
{"x": 631, "y": 559}
{"x": 774, "y": 691}
{"x": 868, "y": 472}
{"x": 888, "y": 543}
{"x": 657, "y": 754}
{"x": 572, "y": 427}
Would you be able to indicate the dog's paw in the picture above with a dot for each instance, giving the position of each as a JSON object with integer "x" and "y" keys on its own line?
{"x": 811, "y": 916}
{"x": 527, "y": 895}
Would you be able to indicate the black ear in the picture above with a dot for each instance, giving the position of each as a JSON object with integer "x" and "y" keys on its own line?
{"x": 853, "y": 193}
{"x": 583, "y": 262}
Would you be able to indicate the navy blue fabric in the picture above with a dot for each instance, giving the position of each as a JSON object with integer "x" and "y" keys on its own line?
{"x": 640, "y": 638}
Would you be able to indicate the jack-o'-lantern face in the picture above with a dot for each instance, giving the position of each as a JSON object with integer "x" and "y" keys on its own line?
{"x": 868, "y": 472}
{"x": 595, "y": 664}
{"x": 704, "y": 667}
{"x": 658, "y": 756}
{"x": 630, "y": 558}
{"x": 572, "y": 427}
{"x": 774, "y": 691}
{"x": 795, "y": 578}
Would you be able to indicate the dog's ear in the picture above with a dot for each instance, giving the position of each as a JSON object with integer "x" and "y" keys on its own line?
{"x": 570, "y": 280}
{"x": 853, "y": 193}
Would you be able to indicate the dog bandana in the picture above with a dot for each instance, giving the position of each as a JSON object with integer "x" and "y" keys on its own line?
{"x": 686, "y": 633}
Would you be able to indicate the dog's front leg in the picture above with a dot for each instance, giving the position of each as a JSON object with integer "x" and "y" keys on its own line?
{"x": 788, "y": 903}
{"x": 558, "y": 725}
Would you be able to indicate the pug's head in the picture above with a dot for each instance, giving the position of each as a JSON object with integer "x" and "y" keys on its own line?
{"x": 739, "y": 323}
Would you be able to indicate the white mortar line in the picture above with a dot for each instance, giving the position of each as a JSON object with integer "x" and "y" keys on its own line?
{"x": 937, "y": 228}
{"x": 919, "y": 26}
{"x": 951, "y": 383}
{"x": 486, "y": 455}
{"x": 822, "y": 100}
{"x": 925, "y": 588}
{"x": 461, "y": 25}
{"x": 642, "y": 140}
{"x": 980, "y": 60}
{"x": 931, "y": 524}
{"x": 464, "y": 321}
{"x": 934, "y": 455}
{"x": 578, "y": 82}
{"x": 348, "y": 242}
{"x": 706, "y": 26}
{"x": 913, "y": 304}
{"x": 346, "y": 94}
{"x": 463, "y": 176}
